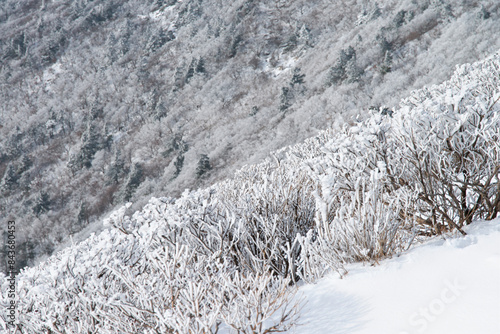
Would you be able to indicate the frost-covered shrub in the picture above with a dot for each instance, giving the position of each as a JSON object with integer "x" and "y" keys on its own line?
{"x": 273, "y": 203}
{"x": 433, "y": 163}
{"x": 226, "y": 256}
{"x": 441, "y": 149}
{"x": 261, "y": 304}
{"x": 447, "y": 138}
{"x": 132, "y": 279}
{"x": 357, "y": 208}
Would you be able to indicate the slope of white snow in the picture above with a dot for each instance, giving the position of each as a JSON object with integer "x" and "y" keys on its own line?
{"x": 447, "y": 285}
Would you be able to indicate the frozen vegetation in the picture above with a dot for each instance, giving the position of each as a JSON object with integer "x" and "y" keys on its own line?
{"x": 106, "y": 102}
{"x": 230, "y": 257}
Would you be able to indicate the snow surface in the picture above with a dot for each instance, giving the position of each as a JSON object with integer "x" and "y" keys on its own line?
{"x": 441, "y": 286}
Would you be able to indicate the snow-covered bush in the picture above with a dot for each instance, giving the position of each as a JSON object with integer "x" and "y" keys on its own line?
{"x": 226, "y": 257}
{"x": 131, "y": 279}
{"x": 435, "y": 162}
{"x": 273, "y": 203}
{"x": 447, "y": 140}
{"x": 358, "y": 210}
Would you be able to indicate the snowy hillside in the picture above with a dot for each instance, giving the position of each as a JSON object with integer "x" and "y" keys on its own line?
{"x": 104, "y": 102}
{"x": 230, "y": 257}
{"x": 447, "y": 285}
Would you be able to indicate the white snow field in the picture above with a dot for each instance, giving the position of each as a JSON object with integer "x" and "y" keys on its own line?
{"x": 442, "y": 287}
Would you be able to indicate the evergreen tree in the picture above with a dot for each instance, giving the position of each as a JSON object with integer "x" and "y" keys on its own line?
{"x": 347, "y": 55}
{"x": 297, "y": 78}
{"x": 160, "y": 110}
{"x": 90, "y": 146}
{"x": 177, "y": 144}
{"x": 133, "y": 181}
{"x": 91, "y": 143}
{"x": 254, "y": 111}
{"x": 19, "y": 45}
{"x": 386, "y": 111}
{"x": 26, "y": 164}
{"x": 178, "y": 163}
{"x": 83, "y": 216}
{"x": 24, "y": 180}
{"x": 295, "y": 87}
{"x": 14, "y": 146}
{"x": 285, "y": 98}
{"x": 10, "y": 179}
{"x": 116, "y": 169}
{"x": 352, "y": 72}
{"x": 203, "y": 166}
{"x": 179, "y": 78}
{"x": 335, "y": 75}
{"x": 197, "y": 66}
{"x": 384, "y": 44}
{"x": 42, "y": 203}
{"x": 304, "y": 34}
{"x": 483, "y": 14}
{"x": 385, "y": 67}
{"x": 4, "y": 252}
{"x": 399, "y": 19}
{"x": 200, "y": 66}
{"x": 190, "y": 71}
{"x": 345, "y": 68}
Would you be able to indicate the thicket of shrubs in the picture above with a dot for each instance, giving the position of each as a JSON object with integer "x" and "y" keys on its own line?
{"x": 227, "y": 257}
{"x": 104, "y": 102}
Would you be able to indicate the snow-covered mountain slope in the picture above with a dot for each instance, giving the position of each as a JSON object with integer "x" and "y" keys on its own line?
{"x": 446, "y": 285}
{"x": 229, "y": 257}
{"x": 104, "y": 102}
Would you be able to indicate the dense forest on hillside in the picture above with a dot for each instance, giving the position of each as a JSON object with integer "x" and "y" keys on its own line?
{"x": 108, "y": 102}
